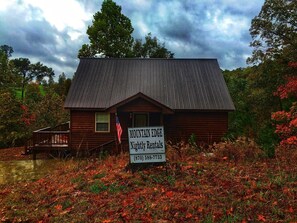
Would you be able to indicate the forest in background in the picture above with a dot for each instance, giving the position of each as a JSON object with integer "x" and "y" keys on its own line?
{"x": 264, "y": 93}
{"x": 30, "y": 98}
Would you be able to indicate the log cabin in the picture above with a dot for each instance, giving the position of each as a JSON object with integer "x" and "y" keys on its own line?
{"x": 185, "y": 96}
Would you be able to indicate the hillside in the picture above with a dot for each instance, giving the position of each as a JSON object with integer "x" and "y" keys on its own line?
{"x": 233, "y": 183}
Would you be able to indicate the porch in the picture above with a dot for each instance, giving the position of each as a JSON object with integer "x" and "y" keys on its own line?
{"x": 58, "y": 140}
{"x": 49, "y": 139}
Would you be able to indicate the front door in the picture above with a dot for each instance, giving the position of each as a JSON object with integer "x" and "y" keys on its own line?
{"x": 140, "y": 120}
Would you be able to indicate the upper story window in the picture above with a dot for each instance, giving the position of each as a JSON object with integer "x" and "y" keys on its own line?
{"x": 102, "y": 122}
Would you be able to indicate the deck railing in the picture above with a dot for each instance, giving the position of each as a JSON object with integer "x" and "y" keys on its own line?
{"x": 47, "y": 138}
{"x": 50, "y": 137}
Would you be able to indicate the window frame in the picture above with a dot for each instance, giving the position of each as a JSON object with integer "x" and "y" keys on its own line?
{"x": 108, "y": 122}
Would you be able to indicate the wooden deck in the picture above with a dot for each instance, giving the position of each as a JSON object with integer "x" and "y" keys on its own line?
{"x": 49, "y": 139}
{"x": 57, "y": 139}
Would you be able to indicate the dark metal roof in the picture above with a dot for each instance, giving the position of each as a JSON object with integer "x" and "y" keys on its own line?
{"x": 197, "y": 84}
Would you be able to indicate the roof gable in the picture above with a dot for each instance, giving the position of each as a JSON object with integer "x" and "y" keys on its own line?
{"x": 175, "y": 83}
{"x": 140, "y": 97}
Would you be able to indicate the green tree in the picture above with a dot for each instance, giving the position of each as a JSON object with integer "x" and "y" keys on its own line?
{"x": 254, "y": 103}
{"x": 241, "y": 121}
{"x": 274, "y": 31}
{"x": 151, "y": 48}
{"x": 33, "y": 95}
{"x": 7, "y": 50}
{"x": 38, "y": 109}
{"x": 110, "y": 33}
{"x": 86, "y": 51}
{"x": 50, "y": 111}
{"x": 28, "y": 71}
{"x": 11, "y": 125}
{"x": 6, "y": 76}
{"x": 40, "y": 71}
{"x": 274, "y": 42}
{"x": 63, "y": 85}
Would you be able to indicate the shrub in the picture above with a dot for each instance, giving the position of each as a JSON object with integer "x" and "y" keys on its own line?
{"x": 179, "y": 152}
{"x": 239, "y": 150}
{"x": 287, "y": 154}
{"x": 267, "y": 140}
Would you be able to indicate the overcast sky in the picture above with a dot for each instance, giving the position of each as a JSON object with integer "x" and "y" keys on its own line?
{"x": 52, "y": 31}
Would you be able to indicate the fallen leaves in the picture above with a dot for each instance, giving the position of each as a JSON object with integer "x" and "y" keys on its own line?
{"x": 58, "y": 207}
{"x": 261, "y": 218}
{"x": 169, "y": 194}
{"x": 198, "y": 190}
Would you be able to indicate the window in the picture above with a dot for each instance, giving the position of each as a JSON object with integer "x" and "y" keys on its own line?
{"x": 141, "y": 120}
{"x": 102, "y": 122}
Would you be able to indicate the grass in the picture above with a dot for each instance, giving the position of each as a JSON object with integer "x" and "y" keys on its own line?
{"x": 18, "y": 92}
{"x": 192, "y": 187}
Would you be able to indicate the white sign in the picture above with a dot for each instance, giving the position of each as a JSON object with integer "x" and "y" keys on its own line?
{"x": 146, "y": 145}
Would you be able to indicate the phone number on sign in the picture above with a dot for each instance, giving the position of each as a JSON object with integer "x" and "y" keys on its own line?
{"x": 153, "y": 157}
{"x": 144, "y": 158}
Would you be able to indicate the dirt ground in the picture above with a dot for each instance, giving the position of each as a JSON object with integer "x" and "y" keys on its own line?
{"x": 14, "y": 153}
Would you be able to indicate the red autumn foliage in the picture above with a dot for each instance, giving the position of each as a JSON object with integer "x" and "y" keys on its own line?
{"x": 193, "y": 187}
{"x": 27, "y": 116}
{"x": 288, "y": 89}
{"x": 286, "y": 121}
{"x": 292, "y": 64}
{"x": 286, "y": 125}
{"x": 281, "y": 116}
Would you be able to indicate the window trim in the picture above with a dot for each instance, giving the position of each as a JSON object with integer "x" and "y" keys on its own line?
{"x": 105, "y": 113}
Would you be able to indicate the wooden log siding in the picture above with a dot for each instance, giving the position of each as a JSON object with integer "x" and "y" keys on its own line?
{"x": 209, "y": 127}
{"x": 83, "y": 135}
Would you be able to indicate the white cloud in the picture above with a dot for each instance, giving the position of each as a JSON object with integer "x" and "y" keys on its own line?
{"x": 141, "y": 4}
{"x": 4, "y": 4}
{"x": 61, "y": 14}
{"x": 52, "y": 31}
{"x": 224, "y": 25}
{"x": 142, "y": 26}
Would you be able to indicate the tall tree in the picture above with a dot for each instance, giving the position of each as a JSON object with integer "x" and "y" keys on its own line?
{"x": 40, "y": 71}
{"x": 7, "y": 50}
{"x": 110, "y": 33}
{"x": 11, "y": 128}
{"x": 22, "y": 68}
{"x": 274, "y": 31}
{"x": 151, "y": 48}
{"x": 274, "y": 42}
{"x": 6, "y": 76}
{"x": 86, "y": 51}
{"x": 28, "y": 71}
{"x": 62, "y": 86}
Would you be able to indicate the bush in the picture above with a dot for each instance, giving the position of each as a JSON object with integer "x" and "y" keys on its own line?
{"x": 287, "y": 154}
{"x": 267, "y": 140}
{"x": 239, "y": 150}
